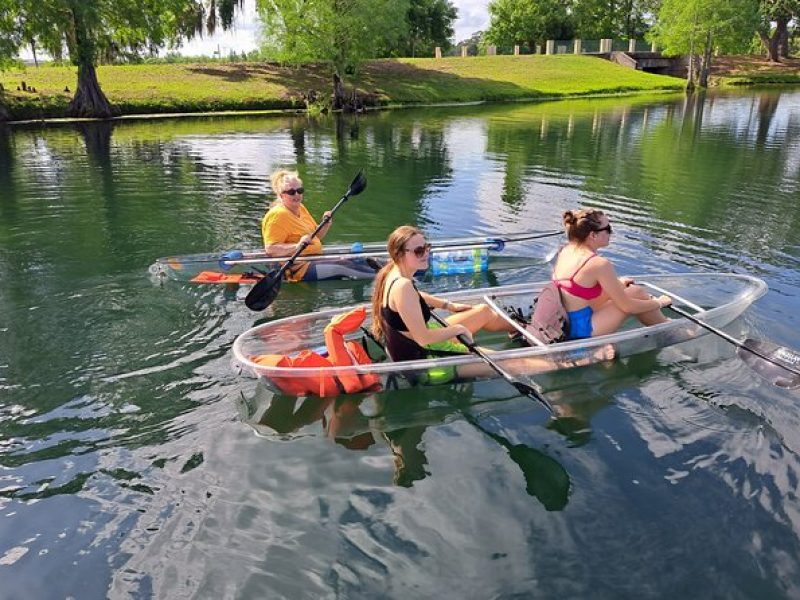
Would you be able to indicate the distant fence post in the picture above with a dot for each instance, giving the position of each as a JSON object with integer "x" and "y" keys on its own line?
{"x": 437, "y": 52}
{"x": 491, "y": 50}
{"x": 631, "y": 45}
{"x": 576, "y": 47}
{"x": 653, "y": 47}
{"x": 550, "y": 47}
{"x": 516, "y": 49}
{"x": 538, "y": 49}
{"x": 463, "y": 52}
{"x": 605, "y": 45}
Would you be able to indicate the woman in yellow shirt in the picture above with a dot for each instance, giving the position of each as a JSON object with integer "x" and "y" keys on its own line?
{"x": 288, "y": 224}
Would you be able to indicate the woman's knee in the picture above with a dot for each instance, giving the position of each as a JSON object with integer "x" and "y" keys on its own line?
{"x": 637, "y": 291}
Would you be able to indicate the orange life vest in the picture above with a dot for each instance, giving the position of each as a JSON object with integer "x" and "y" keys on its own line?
{"x": 341, "y": 353}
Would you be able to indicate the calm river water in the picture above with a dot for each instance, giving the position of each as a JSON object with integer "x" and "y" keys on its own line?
{"x": 134, "y": 463}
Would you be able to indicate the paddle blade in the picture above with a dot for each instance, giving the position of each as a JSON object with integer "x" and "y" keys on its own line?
{"x": 532, "y": 392}
{"x": 264, "y": 292}
{"x": 773, "y": 373}
{"x": 358, "y": 184}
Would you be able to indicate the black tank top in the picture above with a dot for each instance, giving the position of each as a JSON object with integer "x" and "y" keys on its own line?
{"x": 399, "y": 346}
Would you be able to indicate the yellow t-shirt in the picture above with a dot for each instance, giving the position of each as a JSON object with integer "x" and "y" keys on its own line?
{"x": 282, "y": 226}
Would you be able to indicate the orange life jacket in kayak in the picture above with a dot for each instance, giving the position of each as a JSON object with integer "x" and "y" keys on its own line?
{"x": 341, "y": 353}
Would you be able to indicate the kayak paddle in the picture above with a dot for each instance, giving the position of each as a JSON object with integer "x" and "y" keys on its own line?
{"x": 776, "y": 364}
{"x": 266, "y": 290}
{"x": 532, "y": 391}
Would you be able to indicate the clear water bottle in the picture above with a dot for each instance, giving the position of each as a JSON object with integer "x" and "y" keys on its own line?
{"x": 451, "y": 262}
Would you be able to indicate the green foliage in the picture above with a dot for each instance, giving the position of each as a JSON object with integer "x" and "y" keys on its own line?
{"x": 340, "y": 32}
{"x": 527, "y": 22}
{"x": 684, "y": 26}
{"x": 618, "y": 19}
{"x": 429, "y": 23}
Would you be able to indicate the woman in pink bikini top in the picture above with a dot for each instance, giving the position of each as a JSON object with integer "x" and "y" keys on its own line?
{"x": 597, "y": 301}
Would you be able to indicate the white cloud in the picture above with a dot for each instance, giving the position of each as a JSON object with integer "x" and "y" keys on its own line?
{"x": 473, "y": 15}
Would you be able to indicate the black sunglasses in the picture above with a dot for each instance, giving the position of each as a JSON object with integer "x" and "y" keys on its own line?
{"x": 606, "y": 228}
{"x": 419, "y": 251}
{"x": 293, "y": 191}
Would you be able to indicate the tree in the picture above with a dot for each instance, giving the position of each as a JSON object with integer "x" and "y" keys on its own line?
{"x": 627, "y": 19}
{"x": 430, "y": 24}
{"x": 700, "y": 28}
{"x": 780, "y": 12}
{"x": 96, "y": 29}
{"x": 527, "y": 21}
{"x": 342, "y": 33}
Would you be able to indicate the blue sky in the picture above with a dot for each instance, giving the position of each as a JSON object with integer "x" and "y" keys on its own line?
{"x": 473, "y": 16}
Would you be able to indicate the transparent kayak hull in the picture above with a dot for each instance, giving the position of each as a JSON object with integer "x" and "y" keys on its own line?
{"x": 722, "y": 298}
{"x": 448, "y": 256}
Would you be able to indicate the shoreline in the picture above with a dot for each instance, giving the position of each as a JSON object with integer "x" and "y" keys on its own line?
{"x": 201, "y": 90}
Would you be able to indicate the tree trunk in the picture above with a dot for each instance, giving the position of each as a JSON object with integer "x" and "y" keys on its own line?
{"x": 89, "y": 100}
{"x": 783, "y": 44}
{"x": 338, "y": 92}
{"x": 705, "y": 65}
{"x": 4, "y": 115}
{"x": 772, "y": 43}
{"x": 33, "y": 51}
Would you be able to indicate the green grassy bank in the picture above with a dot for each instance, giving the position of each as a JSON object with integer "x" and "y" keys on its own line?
{"x": 179, "y": 88}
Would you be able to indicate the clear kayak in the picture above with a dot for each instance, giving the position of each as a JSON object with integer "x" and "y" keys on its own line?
{"x": 716, "y": 299}
{"x": 448, "y": 256}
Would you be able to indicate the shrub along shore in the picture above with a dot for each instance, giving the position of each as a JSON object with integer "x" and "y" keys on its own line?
{"x": 224, "y": 86}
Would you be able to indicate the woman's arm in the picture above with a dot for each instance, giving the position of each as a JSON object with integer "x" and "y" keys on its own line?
{"x": 436, "y": 302}
{"x": 324, "y": 230}
{"x": 407, "y": 305}
{"x": 614, "y": 288}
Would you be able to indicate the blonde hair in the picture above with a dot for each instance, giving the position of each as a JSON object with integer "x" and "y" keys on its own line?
{"x": 395, "y": 245}
{"x": 278, "y": 177}
{"x": 580, "y": 223}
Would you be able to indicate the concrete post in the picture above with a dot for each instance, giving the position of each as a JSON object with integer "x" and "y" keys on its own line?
{"x": 631, "y": 45}
{"x": 463, "y": 52}
{"x": 653, "y": 47}
{"x": 605, "y": 45}
{"x": 438, "y": 52}
{"x": 576, "y": 48}
{"x": 491, "y": 50}
{"x": 550, "y": 48}
{"x": 538, "y": 49}
{"x": 516, "y": 49}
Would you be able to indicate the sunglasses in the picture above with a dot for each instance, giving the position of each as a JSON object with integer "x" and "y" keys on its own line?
{"x": 419, "y": 251}
{"x": 606, "y": 228}
{"x": 293, "y": 191}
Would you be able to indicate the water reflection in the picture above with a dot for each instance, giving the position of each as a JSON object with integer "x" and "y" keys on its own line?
{"x": 399, "y": 420}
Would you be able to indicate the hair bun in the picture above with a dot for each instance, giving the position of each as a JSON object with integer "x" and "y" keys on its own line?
{"x": 569, "y": 218}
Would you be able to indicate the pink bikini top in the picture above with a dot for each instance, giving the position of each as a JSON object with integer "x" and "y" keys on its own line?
{"x": 575, "y": 289}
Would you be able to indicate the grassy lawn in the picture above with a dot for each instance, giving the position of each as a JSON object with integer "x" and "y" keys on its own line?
{"x": 170, "y": 88}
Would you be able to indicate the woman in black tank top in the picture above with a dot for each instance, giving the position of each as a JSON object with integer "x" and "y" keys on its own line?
{"x": 401, "y": 312}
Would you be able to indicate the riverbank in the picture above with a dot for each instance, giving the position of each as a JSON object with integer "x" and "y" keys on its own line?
{"x": 212, "y": 87}
{"x": 753, "y": 70}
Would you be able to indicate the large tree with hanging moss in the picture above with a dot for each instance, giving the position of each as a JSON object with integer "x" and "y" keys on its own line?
{"x": 94, "y": 31}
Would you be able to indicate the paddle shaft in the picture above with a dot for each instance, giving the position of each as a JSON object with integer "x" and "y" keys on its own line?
{"x": 523, "y": 388}
{"x": 731, "y": 339}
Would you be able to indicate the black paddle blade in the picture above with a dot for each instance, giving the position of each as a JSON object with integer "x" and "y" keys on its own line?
{"x": 773, "y": 373}
{"x": 264, "y": 292}
{"x": 358, "y": 184}
{"x": 532, "y": 392}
